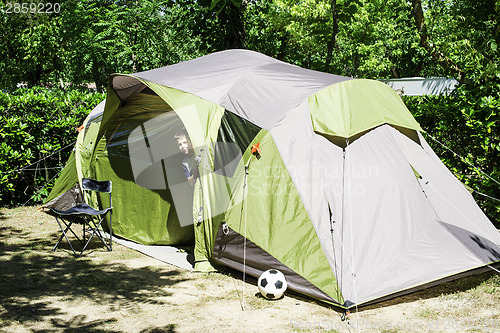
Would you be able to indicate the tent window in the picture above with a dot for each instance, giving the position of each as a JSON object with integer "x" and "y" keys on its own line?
{"x": 237, "y": 130}
{"x": 239, "y": 133}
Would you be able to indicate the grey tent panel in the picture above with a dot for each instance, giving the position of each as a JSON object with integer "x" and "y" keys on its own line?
{"x": 256, "y": 87}
{"x": 405, "y": 241}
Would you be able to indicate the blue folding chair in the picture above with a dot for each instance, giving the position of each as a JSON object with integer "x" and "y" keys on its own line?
{"x": 84, "y": 214}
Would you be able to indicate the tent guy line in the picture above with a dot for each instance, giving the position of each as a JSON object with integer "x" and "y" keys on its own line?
{"x": 463, "y": 159}
{"x": 42, "y": 159}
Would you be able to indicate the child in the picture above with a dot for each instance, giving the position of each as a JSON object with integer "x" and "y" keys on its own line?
{"x": 189, "y": 164}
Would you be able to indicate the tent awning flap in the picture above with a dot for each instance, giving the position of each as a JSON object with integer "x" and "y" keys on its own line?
{"x": 351, "y": 107}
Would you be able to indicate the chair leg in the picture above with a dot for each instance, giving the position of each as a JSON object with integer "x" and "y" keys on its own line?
{"x": 64, "y": 231}
{"x": 88, "y": 226}
{"x": 101, "y": 236}
{"x": 68, "y": 227}
{"x": 85, "y": 246}
{"x": 61, "y": 237}
{"x": 95, "y": 231}
{"x": 109, "y": 242}
{"x": 110, "y": 232}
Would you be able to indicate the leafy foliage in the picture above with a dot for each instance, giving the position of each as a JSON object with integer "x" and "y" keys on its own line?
{"x": 35, "y": 124}
{"x": 88, "y": 40}
{"x": 468, "y": 32}
{"x": 125, "y": 37}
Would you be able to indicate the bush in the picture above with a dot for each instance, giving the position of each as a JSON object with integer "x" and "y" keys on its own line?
{"x": 466, "y": 122}
{"x": 34, "y": 124}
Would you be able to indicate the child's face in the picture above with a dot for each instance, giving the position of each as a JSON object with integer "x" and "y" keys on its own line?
{"x": 184, "y": 145}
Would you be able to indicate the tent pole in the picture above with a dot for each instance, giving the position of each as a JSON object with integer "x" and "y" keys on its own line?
{"x": 245, "y": 231}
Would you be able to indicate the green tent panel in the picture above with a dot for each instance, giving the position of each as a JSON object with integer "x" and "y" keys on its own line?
{"x": 279, "y": 222}
{"x": 324, "y": 177}
{"x": 355, "y": 106}
{"x": 162, "y": 225}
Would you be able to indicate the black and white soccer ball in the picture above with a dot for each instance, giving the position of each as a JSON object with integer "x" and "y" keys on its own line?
{"x": 272, "y": 284}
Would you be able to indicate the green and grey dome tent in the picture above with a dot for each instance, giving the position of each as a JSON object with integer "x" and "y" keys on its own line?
{"x": 324, "y": 177}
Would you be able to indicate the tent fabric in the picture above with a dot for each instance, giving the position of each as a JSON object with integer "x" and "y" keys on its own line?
{"x": 109, "y": 159}
{"x": 239, "y": 81}
{"x": 71, "y": 172}
{"x": 406, "y": 240}
{"x": 66, "y": 192}
{"x": 311, "y": 160}
{"x": 354, "y": 106}
{"x": 326, "y": 177}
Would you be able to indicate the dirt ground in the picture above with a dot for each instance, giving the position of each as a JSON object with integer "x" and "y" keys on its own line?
{"x": 125, "y": 291}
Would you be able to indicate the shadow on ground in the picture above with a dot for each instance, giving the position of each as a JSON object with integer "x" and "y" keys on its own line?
{"x": 79, "y": 324}
{"x": 31, "y": 276}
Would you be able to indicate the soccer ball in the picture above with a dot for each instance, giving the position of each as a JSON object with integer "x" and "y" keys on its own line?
{"x": 272, "y": 284}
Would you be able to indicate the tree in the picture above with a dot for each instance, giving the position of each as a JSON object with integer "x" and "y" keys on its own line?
{"x": 126, "y": 37}
{"x": 461, "y": 36}
{"x": 230, "y": 17}
{"x": 29, "y": 47}
{"x": 304, "y": 33}
{"x": 438, "y": 56}
{"x": 88, "y": 40}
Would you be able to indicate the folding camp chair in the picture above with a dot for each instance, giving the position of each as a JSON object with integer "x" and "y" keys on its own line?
{"x": 90, "y": 218}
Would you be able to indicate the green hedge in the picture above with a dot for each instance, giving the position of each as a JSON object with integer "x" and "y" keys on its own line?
{"x": 35, "y": 123}
{"x": 466, "y": 122}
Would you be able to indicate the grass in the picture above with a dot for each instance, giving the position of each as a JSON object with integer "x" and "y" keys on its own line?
{"x": 258, "y": 302}
{"x": 33, "y": 279}
{"x": 47, "y": 289}
{"x": 429, "y": 314}
{"x": 125, "y": 291}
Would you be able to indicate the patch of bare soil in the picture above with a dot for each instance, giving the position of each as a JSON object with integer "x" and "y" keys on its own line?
{"x": 125, "y": 291}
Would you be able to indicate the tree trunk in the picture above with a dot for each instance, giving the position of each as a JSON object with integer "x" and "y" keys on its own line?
{"x": 333, "y": 39}
{"x": 134, "y": 40}
{"x": 235, "y": 38}
{"x": 425, "y": 42}
{"x": 395, "y": 72}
